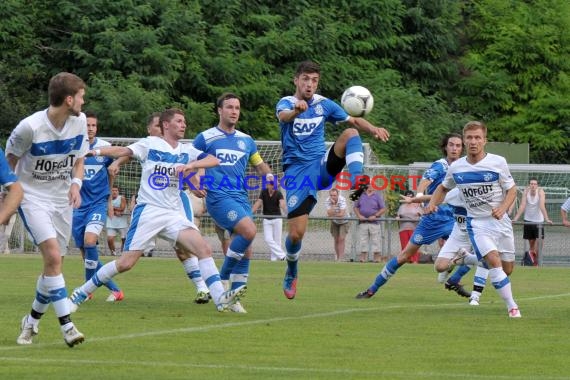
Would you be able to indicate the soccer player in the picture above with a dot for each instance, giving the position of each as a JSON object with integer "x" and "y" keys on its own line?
{"x": 457, "y": 248}
{"x": 157, "y": 212}
{"x": 309, "y": 166}
{"x": 488, "y": 190}
{"x": 188, "y": 261}
{"x": 46, "y": 150}
{"x": 226, "y": 196}
{"x": 118, "y": 220}
{"x": 90, "y": 217}
{"x": 431, "y": 227}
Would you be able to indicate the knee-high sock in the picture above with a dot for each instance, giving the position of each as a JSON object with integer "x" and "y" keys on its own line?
{"x": 239, "y": 275}
{"x": 92, "y": 265}
{"x": 57, "y": 294}
{"x": 458, "y": 274}
{"x": 102, "y": 276}
{"x": 479, "y": 280}
{"x": 192, "y": 269}
{"x": 212, "y": 278}
{"x": 293, "y": 250}
{"x": 237, "y": 249}
{"x": 502, "y": 284}
{"x": 354, "y": 157}
{"x": 388, "y": 271}
{"x": 41, "y": 301}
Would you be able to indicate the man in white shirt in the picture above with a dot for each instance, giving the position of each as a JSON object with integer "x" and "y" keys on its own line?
{"x": 46, "y": 151}
{"x": 488, "y": 190}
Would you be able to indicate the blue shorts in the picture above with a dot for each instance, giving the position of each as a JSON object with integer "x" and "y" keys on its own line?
{"x": 88, "y": 219}
{"x": 227, "y": 212}
{"x": 431, "y": 227}
{"x": 301, "y": 181}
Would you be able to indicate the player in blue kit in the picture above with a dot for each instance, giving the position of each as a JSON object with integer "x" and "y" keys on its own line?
{"x": 431, "y": 227}
{"x": 308, "y": 165}
{"x": 226, "y": 196}
{"x": 89, "y": 219}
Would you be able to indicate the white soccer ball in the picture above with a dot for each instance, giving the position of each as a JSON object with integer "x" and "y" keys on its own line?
{"x": 357, "y": 101}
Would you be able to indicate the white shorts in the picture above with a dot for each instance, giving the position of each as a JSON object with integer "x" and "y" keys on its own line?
{"x": 457, "y": 239}
{"x": 489, "y": 234}
{"x": 150, "y": 221}
{"x": 45, "y": 221}
{"x": 112, "y": 232}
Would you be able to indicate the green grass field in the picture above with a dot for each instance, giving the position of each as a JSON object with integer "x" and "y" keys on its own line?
{"x": 412, "y": 329}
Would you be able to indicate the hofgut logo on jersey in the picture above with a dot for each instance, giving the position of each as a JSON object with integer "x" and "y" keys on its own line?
{"x": 306, "y": 127}
{"x": 228, "y": 156}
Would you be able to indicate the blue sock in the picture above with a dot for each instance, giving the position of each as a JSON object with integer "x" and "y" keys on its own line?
{"x": 240, "y": 273}
{"x": 354, "y": 157}
{"x": 292, "y": 255}
{"x": 458, "y": 274}
{"x": 237, "y": 249}
{"x": 388, "y": 271}
{"x": 92, "y": 265}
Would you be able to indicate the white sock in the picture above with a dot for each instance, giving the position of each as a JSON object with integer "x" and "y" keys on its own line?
{"x": 192, "y": 269}
{"x": 104, "y": 274}
{"x": 503, "y": 285}
{"x": 212, "y": 275}
{"x": 53, "y": 284}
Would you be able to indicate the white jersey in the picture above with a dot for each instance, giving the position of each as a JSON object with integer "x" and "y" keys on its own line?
{"x": 159, "y": 182}
{"x": 482, "y": 186}
{"x": 47, "y": 155}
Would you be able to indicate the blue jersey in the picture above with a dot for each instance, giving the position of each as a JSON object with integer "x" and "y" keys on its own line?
{"x": 303, "y": 139}
{"x": 234, "y": 150}
{"x": 95, "y": 178}
{"x": 436, "y": 173}
{"x": 7, "y": 176}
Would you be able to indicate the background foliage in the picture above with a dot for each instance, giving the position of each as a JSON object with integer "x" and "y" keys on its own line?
{"x": 431, "y": 64}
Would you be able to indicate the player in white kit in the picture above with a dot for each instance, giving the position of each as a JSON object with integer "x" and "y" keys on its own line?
{"x": 157, "y": 213}
{"x": 487, "y": 189}
{"x": 46, "y": 150}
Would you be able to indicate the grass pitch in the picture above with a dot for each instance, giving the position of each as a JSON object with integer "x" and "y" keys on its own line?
{"x": 412, "y": 329}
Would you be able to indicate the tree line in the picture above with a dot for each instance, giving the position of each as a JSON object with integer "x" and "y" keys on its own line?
{"x": 430, "y": 64}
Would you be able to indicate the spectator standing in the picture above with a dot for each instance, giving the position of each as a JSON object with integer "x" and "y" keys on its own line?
{"x": 336, "y": 208}
{"x": 533, "y": 205}
{"x": 118, "y": 220}
{"x": 369, "y": 208}
{"x": 409, "y": 211}
{"x": 271, "y": 201}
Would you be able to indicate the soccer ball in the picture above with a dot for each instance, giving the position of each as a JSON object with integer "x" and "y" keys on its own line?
{"x": 357, "y": 101}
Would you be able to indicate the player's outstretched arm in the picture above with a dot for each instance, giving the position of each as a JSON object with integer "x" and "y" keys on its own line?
{"x": 436, "y": 199}
{"x": 364, "y": 125}
{"x": 206, "y": 162}
{"x": 113, "y": 169}
{"x": 111, "y": 151}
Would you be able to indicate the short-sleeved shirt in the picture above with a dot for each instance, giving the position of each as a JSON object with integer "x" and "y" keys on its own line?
{"x": 159, "y": 184}
{"x": 235, "y": 151}
{"x": 95, "y": 178}
{"x": 369, "y": 205}
{"x": 341, "y": 205}
{"x": 47, "y": 155}
{"x": 271, "y": 202}
{"x": 481, "y": 185}
{"x": 303, "y": 138}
